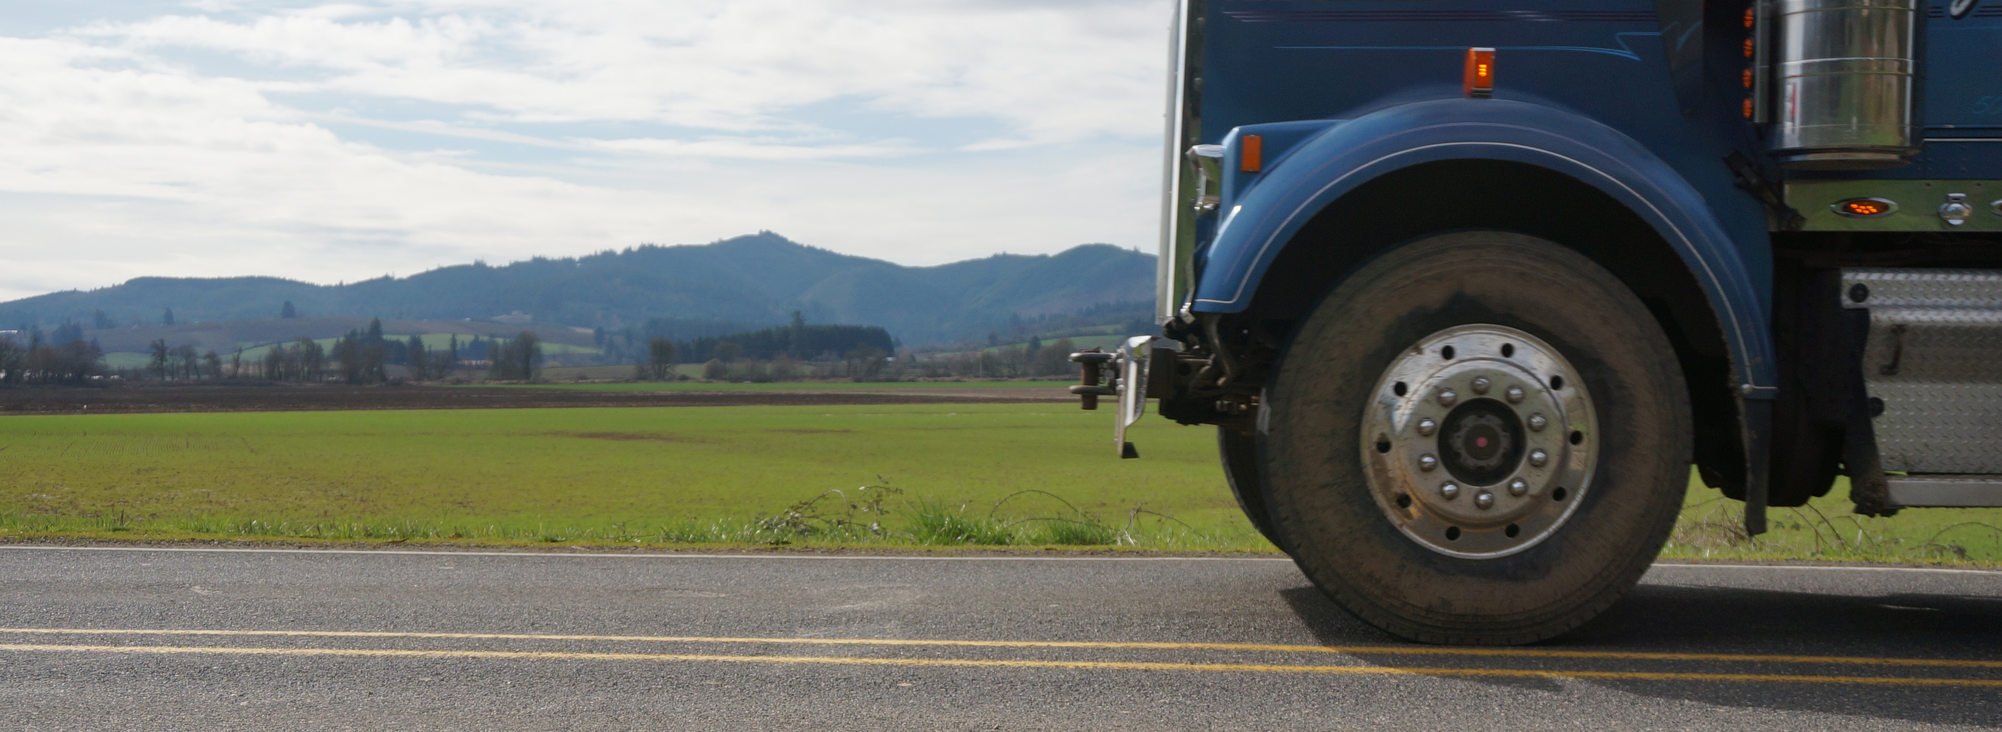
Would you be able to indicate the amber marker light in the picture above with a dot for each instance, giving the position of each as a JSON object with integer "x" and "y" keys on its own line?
{"x": 1251, "y": 154}
{"x": 1862, "y": 208}
{"x": 1480, "y": 81}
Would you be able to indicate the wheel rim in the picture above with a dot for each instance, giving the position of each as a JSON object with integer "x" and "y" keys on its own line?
{"x": 1481, "y": 441}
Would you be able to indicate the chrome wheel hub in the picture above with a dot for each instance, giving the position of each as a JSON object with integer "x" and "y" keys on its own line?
{"x": 1480, "y": 442}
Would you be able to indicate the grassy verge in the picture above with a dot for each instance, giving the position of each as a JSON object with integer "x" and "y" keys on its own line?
{"x": 726, "y": 476}
{"x": 1051, "y": 388}
{"x": 920, "y": 476}
{"x": 1712, "y": 527}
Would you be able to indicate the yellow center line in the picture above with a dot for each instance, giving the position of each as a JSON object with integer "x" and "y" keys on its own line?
{"x": 1008, "y": 664}
{"x": 1505, "y": 653}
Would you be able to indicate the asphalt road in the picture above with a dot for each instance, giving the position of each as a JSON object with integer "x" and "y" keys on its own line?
{"x": 153, "y": 639}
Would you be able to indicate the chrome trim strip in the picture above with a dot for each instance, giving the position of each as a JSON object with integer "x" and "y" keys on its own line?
{"x": 1166, "y": 269}
{"x": 1945, "y": 491}
{"x": 1917, "y": 204}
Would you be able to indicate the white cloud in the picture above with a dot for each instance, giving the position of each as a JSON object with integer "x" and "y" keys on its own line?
{"x": 307, "y": 40}
{"x": 751, "y": 149}
{"x": 920, "y": 131}
{"x": 1060, "y": 71}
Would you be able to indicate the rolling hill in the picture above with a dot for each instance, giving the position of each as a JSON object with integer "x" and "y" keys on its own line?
{"x": 750, "y": 281}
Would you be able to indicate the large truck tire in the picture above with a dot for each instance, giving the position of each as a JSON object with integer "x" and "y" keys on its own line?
{"x": 1478, "y": 438}
{"x": 1239, "y": 451}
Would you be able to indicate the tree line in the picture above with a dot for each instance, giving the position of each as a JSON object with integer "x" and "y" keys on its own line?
{"x": 1036, "y": 358}
{"x": 364, "y": 356}
{"x": 869, "y": 363}
{"x": 62, "y": 357}
{"x": 368, "y": 355}
{"x": 779, "y": 353}
{"x": 361, "y": 356}
{"x": 799, "y": 341}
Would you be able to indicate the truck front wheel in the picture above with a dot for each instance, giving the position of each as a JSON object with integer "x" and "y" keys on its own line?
{"x": 1478, "y": 438}
{"x": 1240, "y": 468}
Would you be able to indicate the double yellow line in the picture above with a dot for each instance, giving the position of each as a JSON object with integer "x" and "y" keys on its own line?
{"x": 1156, "y": 666}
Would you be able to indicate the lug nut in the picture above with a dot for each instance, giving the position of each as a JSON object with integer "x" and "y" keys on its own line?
{"x": 1537, "y": 422}
{"x": 1485, "y": 500}
{"x": 1518, "y": 488}
{"x": 1539, "y": 458}
{"x": 1428, "y": 463}
{"x": 1427, "y": 427}
{"x": 1450, "y": 491}
{"x": 1481, "y": 385}
{"x": 1448, "y": 397}
{"x": 1515, "y": 395}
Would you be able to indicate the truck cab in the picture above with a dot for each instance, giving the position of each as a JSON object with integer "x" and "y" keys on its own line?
{"x": 1467, "y": 287}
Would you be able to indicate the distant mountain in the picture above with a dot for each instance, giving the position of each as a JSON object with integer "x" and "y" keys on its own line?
{"x": 753, "y": 280}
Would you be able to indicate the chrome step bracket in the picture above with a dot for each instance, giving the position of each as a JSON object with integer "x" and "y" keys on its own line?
{"x": 1135, "y": 357}
{"x": 1122, "y": 373}
{"x": 1945, "y": 491}
{"x": 1933, "y": 367}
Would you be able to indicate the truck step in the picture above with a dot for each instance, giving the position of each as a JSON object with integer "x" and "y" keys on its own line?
{"x": 1945, "y": 491}
{"x": 1933, "y": 367}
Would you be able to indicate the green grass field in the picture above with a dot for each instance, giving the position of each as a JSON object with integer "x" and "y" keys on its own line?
{"x": 602, "y": 476}
{"x": 925, "y": 475}
{"x": 126, "y": 361}
{"x": 613, "y": 372}
{"x": 1052, "y": 388}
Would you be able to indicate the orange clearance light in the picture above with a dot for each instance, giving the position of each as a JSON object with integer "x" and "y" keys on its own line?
{"x": 1864, "y": 207}
{"x": 1480, "y": 81}
{"x": 1751, "y": 18}
{"x": 1251, "y": 155}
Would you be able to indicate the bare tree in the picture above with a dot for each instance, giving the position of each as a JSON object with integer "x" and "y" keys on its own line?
{"x": 13, "y": 358}
{"x": 187, "y": 362}
{"x": 660, "y": 358}
{"x": 160, "y": 352}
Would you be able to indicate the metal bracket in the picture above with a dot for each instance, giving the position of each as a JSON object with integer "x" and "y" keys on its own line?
{"x": 1091, "y": 376}
{"x": 1122, "y": 374}
{"x": 1202, "y": 158}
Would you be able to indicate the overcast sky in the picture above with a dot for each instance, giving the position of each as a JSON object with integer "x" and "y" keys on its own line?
{"x": 340, "y": 141}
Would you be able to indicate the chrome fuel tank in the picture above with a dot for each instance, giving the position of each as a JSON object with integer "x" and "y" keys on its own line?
{"x": 1845, "y": 70}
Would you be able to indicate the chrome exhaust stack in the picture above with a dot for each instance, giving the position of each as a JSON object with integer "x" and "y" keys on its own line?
{"x": 1845, "y": 70}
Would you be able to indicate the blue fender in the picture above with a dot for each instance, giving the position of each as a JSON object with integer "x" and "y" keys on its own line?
{"x": 1726, "y": 245}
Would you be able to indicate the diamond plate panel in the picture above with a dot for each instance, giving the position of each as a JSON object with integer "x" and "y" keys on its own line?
{"x": 1930, "y": 288}
{"x": 1935, "y": 359}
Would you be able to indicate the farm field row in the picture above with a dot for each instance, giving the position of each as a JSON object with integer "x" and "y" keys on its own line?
{"x": 431, "y": 341}
{"x": 605, "y": 476}
{"x": 895, "y": 475}
{"x": 255, "y": 352}
{"x": 1053, "y": 388}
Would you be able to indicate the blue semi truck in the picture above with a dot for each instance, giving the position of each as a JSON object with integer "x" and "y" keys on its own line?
{"x": 1466, "y": 287}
